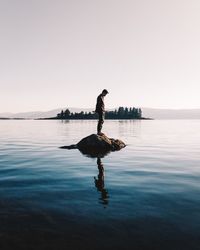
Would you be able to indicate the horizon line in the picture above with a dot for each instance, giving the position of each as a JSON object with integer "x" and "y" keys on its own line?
{"x": 175, "y": 109}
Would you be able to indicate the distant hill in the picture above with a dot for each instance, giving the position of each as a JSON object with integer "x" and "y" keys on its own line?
{"x": 147, "y": 112}
{"x": 171, "y": 113}
{"x": 41, "y": 114}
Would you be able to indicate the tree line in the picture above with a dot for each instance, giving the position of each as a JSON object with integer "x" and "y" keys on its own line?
{"x": 120, "y": 113}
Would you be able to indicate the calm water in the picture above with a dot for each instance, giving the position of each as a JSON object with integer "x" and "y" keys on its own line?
{"x": 147, "y": 196}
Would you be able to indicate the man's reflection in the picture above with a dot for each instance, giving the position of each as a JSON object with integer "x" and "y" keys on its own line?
{"x": 99, "y": 183}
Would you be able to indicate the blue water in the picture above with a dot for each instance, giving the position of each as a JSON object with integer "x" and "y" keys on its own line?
{"x": 146, "y": 196}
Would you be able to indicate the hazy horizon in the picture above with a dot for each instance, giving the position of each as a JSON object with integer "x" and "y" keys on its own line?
{"x": 63, "y": 53}
{"x": 90, "y": 108}
{"x": 146, "y": 112}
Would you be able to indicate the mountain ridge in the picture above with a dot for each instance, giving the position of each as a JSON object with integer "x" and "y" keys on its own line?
{"x": 155, "y": 113}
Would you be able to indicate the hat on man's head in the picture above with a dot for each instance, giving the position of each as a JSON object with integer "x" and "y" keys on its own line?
{"x": 105, "y": 91}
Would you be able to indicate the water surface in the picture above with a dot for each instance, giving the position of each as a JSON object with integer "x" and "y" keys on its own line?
{"x": 146, "y": 196}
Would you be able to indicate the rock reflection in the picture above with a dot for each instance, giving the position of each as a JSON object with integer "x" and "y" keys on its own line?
{"x": 100, "y": 184}
{"x": 95, "y": 153}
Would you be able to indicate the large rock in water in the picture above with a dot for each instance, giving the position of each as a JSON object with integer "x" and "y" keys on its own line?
{"x": 100, "y": 143}
{"x": 97, "y": 145}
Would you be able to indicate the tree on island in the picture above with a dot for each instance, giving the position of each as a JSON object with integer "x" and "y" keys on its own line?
{"x": 120, "y": 113}
{"x": 67, "y": 113}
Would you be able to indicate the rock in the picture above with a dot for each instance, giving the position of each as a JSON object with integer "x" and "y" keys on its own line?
{"x": 73, "y": 146}
{"x": 100, "y": 143}
{"x": 97, "y": 145}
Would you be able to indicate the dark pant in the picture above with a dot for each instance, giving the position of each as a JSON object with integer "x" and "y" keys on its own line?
{"x": 100, "y": 122}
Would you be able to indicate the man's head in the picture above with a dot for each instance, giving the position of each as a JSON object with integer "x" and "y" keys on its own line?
{"x": 104, "y": 92}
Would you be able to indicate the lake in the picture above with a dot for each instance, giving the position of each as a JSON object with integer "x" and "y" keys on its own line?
{"x": 145, "y": 196}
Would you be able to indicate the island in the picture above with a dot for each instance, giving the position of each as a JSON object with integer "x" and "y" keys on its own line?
{"x": 122, "y": 113}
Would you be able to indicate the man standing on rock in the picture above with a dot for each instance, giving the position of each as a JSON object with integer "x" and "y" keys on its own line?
{"x": 100, "y": 110}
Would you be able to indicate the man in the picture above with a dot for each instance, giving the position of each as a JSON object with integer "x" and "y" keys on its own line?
{"x": 100, "y": 110}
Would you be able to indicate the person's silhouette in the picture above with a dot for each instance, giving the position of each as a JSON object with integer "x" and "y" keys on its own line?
{"x": 100, "y": 110}
{"x": 99, "y": 183}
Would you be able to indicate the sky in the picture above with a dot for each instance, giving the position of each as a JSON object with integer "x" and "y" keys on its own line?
{"x": 63, "y": 53}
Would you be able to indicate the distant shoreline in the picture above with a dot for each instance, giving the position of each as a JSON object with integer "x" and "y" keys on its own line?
{"x": 55, "y": 118}
{"x": 157, "y": 114}
{"x": 5, "y": 118}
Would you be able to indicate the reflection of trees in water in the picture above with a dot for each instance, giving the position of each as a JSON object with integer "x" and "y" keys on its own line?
{"x": 99, "y": 183}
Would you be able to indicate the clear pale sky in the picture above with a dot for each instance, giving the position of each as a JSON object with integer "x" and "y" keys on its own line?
{"x": 62, "y": 53}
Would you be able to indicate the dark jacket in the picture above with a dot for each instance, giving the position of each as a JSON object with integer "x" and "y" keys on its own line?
{"x": 100, "y": 107}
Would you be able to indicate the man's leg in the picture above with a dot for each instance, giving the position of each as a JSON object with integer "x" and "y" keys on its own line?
{"x": 100, "y": 123}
